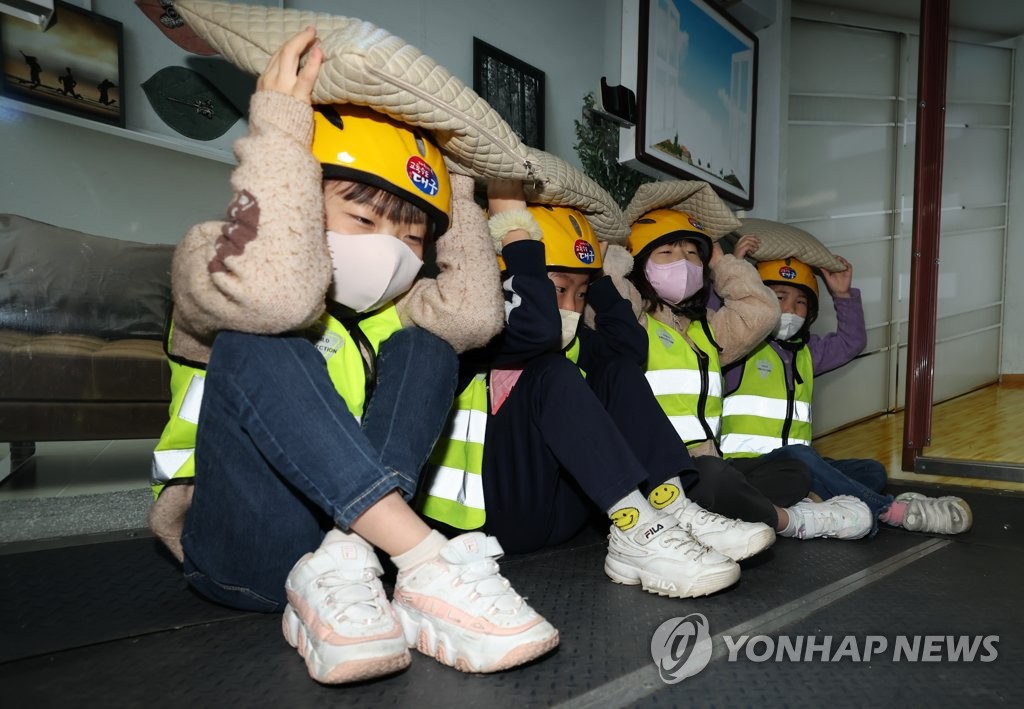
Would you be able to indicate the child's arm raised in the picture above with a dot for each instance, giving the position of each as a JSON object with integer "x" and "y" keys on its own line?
{"x": 266, "y": 269}
{"x": 616, "y": 330}
{"x": 750, "y": 310}
{"x": 850, "y": 338}
{"x": 463, "y": 305}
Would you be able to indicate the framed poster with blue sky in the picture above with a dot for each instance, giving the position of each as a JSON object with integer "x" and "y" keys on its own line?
{"x": 696, "y": 96}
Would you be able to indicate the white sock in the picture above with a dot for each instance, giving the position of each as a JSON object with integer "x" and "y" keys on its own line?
{"x": 422, "y": 552}
{"x": 794, "y": 523}
{"x": 632, "y": 510}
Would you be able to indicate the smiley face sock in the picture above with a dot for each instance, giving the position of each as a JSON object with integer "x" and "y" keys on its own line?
{"x": 631, "y": 511}
{"x": 667, "y": 496}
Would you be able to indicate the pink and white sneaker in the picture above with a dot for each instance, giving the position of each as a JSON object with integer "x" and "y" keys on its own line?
{"x": 941, "y": 515}
{"x": 338, "y": 616}
{"x": 461, "y": 611}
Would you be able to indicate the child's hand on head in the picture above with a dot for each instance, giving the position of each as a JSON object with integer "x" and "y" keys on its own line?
{"x": 746, "y": 246}
{"x": 839, "y": 283}
{"x": 283, "y": 73}
{"x": 505, "y": 195}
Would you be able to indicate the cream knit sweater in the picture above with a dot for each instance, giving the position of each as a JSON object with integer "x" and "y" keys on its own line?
{"x": 266, "y": 269}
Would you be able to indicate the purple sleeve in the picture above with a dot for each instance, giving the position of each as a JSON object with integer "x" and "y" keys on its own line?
{"x": 837, "y": 348}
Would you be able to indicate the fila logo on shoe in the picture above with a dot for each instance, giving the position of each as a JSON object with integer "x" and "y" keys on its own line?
{"x": 648, "y": 533}
{"x": 664, "y": 585}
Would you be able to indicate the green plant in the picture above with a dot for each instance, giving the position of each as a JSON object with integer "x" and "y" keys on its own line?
{"x": 597, "y": 145}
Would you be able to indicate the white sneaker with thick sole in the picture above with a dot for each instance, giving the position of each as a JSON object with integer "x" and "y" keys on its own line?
{"x": 462, "y": 612}
{"x": 338, "y": 616}
{"x": 734, "y": 538}
{"x": 941, "y": 515}
{"x": 666, "y": 559}
{"x": 839, "y": 517}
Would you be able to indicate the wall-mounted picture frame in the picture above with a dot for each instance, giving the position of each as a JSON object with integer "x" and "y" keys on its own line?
{"x": 696, "y": 96}
{"x": 513, "y": 88}
{"x": 76, "y": 66}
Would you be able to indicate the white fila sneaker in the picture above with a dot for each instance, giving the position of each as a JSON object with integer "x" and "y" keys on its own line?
{"x": 666, "y": 559}
{"x": 734, "y": 538}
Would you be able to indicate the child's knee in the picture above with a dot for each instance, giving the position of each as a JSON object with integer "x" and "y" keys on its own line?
{"x": 423, "y": 348}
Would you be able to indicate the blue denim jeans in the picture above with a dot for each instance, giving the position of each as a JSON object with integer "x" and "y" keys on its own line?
{"x": 280, "y": 460}
{"x": 861, "y": 477}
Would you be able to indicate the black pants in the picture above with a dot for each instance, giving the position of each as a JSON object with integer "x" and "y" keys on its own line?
{"x": 563, "y": 449}
{"x": 749, "y": 488}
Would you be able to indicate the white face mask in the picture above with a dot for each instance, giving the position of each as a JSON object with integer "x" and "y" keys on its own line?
{"x": 789, "y": 325}
{"x": 370, "y": 269}
{"x": 674, "y": 282}
{"x": 570, "y": 324}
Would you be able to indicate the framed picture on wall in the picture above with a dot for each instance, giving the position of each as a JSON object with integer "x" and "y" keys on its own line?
{"x": 513, "y": 88}
{"x": 696, "y": 96}
{"x": 76, "y": 66}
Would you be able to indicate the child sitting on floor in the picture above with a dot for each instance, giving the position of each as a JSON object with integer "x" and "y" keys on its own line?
{"x": 676, "y": 261}
{"x": 314, "y": 370}
{"x": 535, "y": 449}
{"x": 767, "y": 409}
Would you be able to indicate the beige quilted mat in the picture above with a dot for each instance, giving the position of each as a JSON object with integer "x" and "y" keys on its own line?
{"x": 780, "y": 241}
{"x": 693, "y": 196}
{"x": 367, "y": 65}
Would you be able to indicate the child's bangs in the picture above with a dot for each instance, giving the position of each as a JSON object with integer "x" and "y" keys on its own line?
{"x": 385, "y": 204}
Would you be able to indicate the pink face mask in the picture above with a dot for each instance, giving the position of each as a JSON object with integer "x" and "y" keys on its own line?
{"x": 674, "y": 282}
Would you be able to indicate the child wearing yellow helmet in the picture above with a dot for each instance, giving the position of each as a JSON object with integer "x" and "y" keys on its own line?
{"x": 767, "y": 409}
{"x": 679, "y": 271}
{"x": 312, "y": 372}
{"x": 556, "y": 404}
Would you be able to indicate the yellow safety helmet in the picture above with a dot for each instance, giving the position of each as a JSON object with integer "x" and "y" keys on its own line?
{"x": 667, "y": 225}
{"x": 569, "y": 241}
{"x": 357, "y": 143}
{"x": 789, "y": 272}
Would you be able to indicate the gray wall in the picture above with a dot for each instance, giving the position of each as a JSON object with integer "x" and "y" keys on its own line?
{"x": 145, "y": 184}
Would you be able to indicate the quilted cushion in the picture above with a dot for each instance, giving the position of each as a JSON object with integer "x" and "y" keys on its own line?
{"x": 367, "y": 65}
{"x": 692, "y": 196}
{"x": 780, "y": 241}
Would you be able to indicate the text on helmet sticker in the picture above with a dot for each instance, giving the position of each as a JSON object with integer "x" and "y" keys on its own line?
{"x": 422, "y": 176}
{"x": 695, "y": 224}
{"x": 787, "y": 272}
{"x": 584, "y": 251}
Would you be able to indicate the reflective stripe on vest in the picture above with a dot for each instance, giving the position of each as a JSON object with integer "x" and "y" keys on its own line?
{"x": 763, "y": 414}
{"x": 454, "y": 473}
{"x": 454, "y": 487}
{"x": 174, "y": 454}
{"x": 687, "y": 384}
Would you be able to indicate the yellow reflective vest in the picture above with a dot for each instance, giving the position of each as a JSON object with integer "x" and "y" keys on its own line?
{"x": 454, "y": 492}
{"x": 764, "y": 413}
{"x": 687, "y": 382}
{"x": 174, "y": 454}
